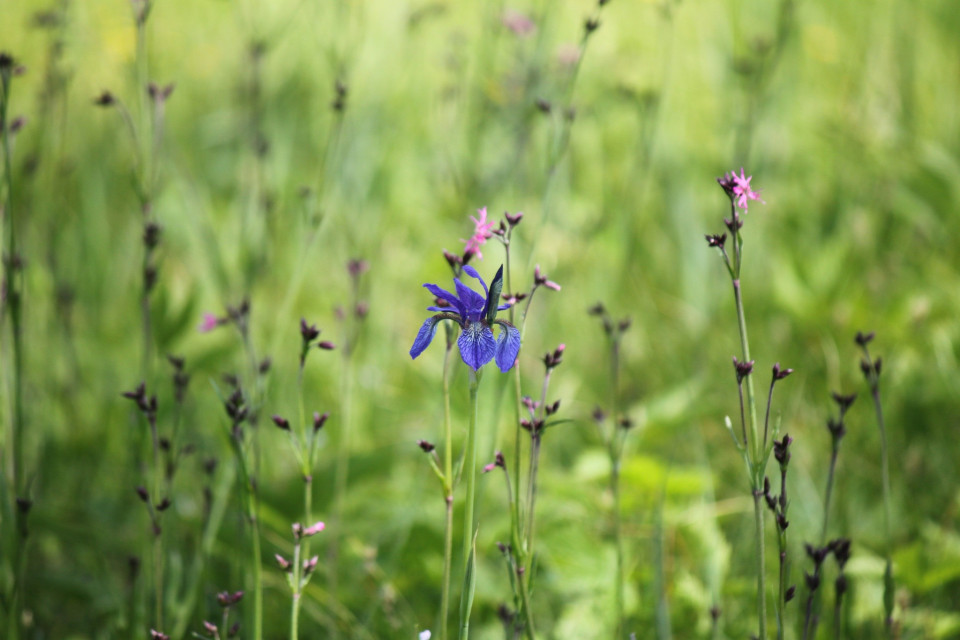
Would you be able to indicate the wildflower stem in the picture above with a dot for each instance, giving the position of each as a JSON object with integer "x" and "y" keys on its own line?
{"x": 295, "y": 609}
{"x": 448, "y": 490}
{"x": 305, "y": 441}
{"x": 470, "y": 459}
{"x": 535, "y": 435}
{"x": 758, "y": 449}
{"x": 872, "y": 373}
{"x": 826, "y": 501}
{"x": 761, "y": 579}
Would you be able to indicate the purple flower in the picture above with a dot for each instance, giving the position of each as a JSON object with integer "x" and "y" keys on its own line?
{"x": 476, "y": 314}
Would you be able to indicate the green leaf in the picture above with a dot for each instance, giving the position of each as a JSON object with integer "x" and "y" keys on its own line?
{"x": 493, "y": 296}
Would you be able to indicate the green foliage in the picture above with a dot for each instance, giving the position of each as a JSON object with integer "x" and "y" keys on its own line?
{"x": 844, "y": 114}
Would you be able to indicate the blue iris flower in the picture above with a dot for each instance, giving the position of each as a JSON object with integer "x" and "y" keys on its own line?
{"x": 476, "y": 314}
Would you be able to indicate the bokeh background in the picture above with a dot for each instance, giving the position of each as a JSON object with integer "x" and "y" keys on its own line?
{"x": 846, "y": 114}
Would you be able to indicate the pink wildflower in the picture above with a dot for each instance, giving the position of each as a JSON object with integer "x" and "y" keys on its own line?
{"x": 517, "y": 22}
{"x": 315, "y": 529}
{"x": 741, "y": 189}
{"x": 481, "y": 233}
{"x": 209, "y": 323}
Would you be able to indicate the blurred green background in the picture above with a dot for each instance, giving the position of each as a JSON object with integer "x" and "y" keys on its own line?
{"x": 846, "y": 114}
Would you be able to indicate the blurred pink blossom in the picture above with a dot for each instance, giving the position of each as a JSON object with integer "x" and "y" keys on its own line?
{"x": 517, "y": 22}
{"x": 209, "y": 323}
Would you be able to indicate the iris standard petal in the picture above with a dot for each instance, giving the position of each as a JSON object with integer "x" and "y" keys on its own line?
{"x": 472, "y": 301}
{"x": 470, "y": 271}
{"x": 443, "y": 294}
{"x": 424, "y": 336}
{"x": 508, "y": 346}
{"x": 477, "y": 345}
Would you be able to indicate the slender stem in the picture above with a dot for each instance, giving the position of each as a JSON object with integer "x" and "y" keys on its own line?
{"x": 872, "y": 373}
{"x": 535, "y": 465}
{"x": 761, "y": 578}
{"x": 751, "y": 397}
{"x": 766, "y": 417}
{"x": 837, "y": 615}
{"x": 757, "y": 464}
{"x": 826, "y": 501}
{"x": 782, "y": 588}
{"x": 295, "y": 609}
{"x": 470, "y": 459}
{"x": 448, "y": 497}
{"x": 617, "y": 536}
{"x": 257, "y": 569}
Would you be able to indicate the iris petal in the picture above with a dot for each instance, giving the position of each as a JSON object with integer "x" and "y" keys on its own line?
{"x": 477, "y": 345}
{"x": 470, "y": 271}
{"x": 443, "y": 294}
{"x": 508, "y": 346}
{"x": 424, "y": 336}
{"x": 472, "y": 301}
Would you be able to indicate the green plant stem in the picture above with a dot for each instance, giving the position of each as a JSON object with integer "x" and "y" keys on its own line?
{"x": 448, "y": 479}
{"x": 826, "y": 501}
{"x": 617, "y": 537}
{"x": 837, "y": 614}
{"x": 470, "y": 460}
{"x": 306, "y": 439}
{"x": 755, "y": 446}
{"x": 253, "y": 507}
{"x": 534, "y": 469}
{"x": 761, "y": 578}
{"x": 888, "y": 517}
{"x": 341, "y": 475}
{"x": 297, "y": 592}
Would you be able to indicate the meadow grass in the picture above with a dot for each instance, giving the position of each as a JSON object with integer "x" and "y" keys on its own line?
{"x": 282, "y": 142}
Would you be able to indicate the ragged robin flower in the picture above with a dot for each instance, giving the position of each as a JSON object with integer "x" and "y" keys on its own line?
{"x": 476, "y": 314}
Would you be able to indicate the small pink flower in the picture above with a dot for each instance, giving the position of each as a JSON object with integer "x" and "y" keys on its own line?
{"x": 741, "y": 189}
{"x": 517, "y": 22}
{"x": 540, "y": 279}
{"x": 315, "y": 529}
{"x": 482, "y": 232}
{"x": 209, "y": 323}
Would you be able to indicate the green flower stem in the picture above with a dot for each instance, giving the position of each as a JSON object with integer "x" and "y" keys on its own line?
{"x": 470, "y": 460}
{"x": 306, "y": 440}
{"x": 534, "y": 469}
{"x": 297, "y": 591}
{"x": 448, "y": 488}
{"x": 826, "y": 502}
{"x": 755, "y": 447}
{"x": 873, "y": 378}
{"x": 761, "y": 579}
